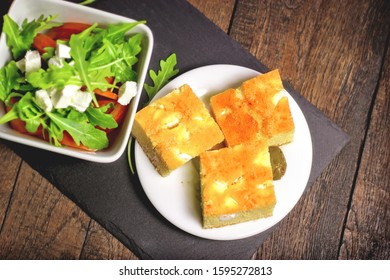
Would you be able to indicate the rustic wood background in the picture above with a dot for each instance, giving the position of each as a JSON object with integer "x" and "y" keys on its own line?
{"x": 336, "y": 54}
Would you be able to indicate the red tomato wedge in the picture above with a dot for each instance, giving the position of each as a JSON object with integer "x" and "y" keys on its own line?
{"x": 20, "y": 126}
{"x": 66, "y": 30}
{"x": 41, "y": 41}
{"x": 107, "y": 94}
{"x": 110, "y": 80}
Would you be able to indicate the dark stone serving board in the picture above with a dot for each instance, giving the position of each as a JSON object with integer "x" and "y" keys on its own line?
{"x": 116, "y": 199}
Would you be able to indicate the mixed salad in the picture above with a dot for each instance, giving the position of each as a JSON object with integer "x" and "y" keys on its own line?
{"x": 68, "y": 83}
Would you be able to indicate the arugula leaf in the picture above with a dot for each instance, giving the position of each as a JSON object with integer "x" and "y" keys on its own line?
{"x": 19, "y": 40}
{"x": 99, "y": 79}
{"x": 116, "y": 59}
{"x": 116, "y": 32}
{"x": 26, "y": 110}
{"x": 49, "y": 53}
{"x": 14, "y": 41}
{"x": 129, "y": 53}
{"x": 101, "y": 58}
{"x": 167, "y": 71}
{"x": 33, "y": 27}
{"x": 29, "y": 112}
{"x": 55, "y": 134}
{"x": 54, "y": 76}
{"x": 132, "y": 49}
{"x": 75, "y": 115}
{"x": 79, "y": 54}
{"x": 98, "y": 117}
{"x": 81, "y": 132}
{"x": 122, "y": 69}
{"x": 9, "y": 76}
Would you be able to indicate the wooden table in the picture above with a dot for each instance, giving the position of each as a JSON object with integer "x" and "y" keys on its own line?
{"x": 337, "y": 55}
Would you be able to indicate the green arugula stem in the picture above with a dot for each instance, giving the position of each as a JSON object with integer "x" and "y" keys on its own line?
{"x": 87, "y": 2}
{"x": 104, "y": 85}
{"x": 107, "y": 65}
{"x": 9, "y": 116}
{"x": 129, "y": 158}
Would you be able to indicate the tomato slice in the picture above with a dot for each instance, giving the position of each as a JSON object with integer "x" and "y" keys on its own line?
{"x": 20, "y": 126}
{"x": 41, "y": 41}
{"x": 108, "y": 94}
{"x": 119, "y": 112}
{"x": 110, "y": 80}
{"x": 66, "y": 30}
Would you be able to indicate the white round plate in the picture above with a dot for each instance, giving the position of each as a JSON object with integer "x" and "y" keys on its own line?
{"x": 177, "y": 197}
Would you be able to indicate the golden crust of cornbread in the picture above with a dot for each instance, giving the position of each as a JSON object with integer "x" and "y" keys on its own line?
{"x": 174, "y": 129}
{"x": 258, "y": 109}
{"x": 236, "y": 184}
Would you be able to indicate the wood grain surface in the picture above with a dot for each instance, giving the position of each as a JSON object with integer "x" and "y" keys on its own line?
{"x": 337, "y": 55}
{"x": 366, "y": 234}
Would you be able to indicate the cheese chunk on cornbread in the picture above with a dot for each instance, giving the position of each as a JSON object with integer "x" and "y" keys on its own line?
{"x": 258, "y": 109}
{"x": 174, "y": 129}
{"x": 236, "y": 184}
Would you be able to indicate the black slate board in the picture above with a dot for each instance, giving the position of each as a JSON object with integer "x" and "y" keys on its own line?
{"x": 116, "y": 199}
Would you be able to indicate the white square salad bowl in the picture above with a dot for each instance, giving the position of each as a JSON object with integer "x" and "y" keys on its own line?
{"x": 71, "y": 12}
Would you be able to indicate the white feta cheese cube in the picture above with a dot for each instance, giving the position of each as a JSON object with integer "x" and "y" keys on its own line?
{"x": 70, "y": 90}
{"x": 63, "y": 98}
{"x": 60, "y": 101}
{"x": 43, "y": 100}
{"x": 126, "y": 92}
{"x": 62, "y": 51}
{"x": 56, "y": 61}
{"x": 33, "y": 61}
{"x": 81, "y": 100}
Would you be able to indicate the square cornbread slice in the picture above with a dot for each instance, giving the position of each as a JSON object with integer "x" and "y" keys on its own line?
{"x": 236, "y": 184}
{"x": 174, "y": 129}
{"x": 259, "y": 108}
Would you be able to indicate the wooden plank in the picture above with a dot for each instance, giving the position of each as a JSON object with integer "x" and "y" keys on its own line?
{"x": 219, "y": 12}
{"x": 41, "y": 222}
{"x": 100, "y": 244}
{"x": 367, "y": 232}
{"x": 9, "y": 166}
{"x": 333, "y": 58}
